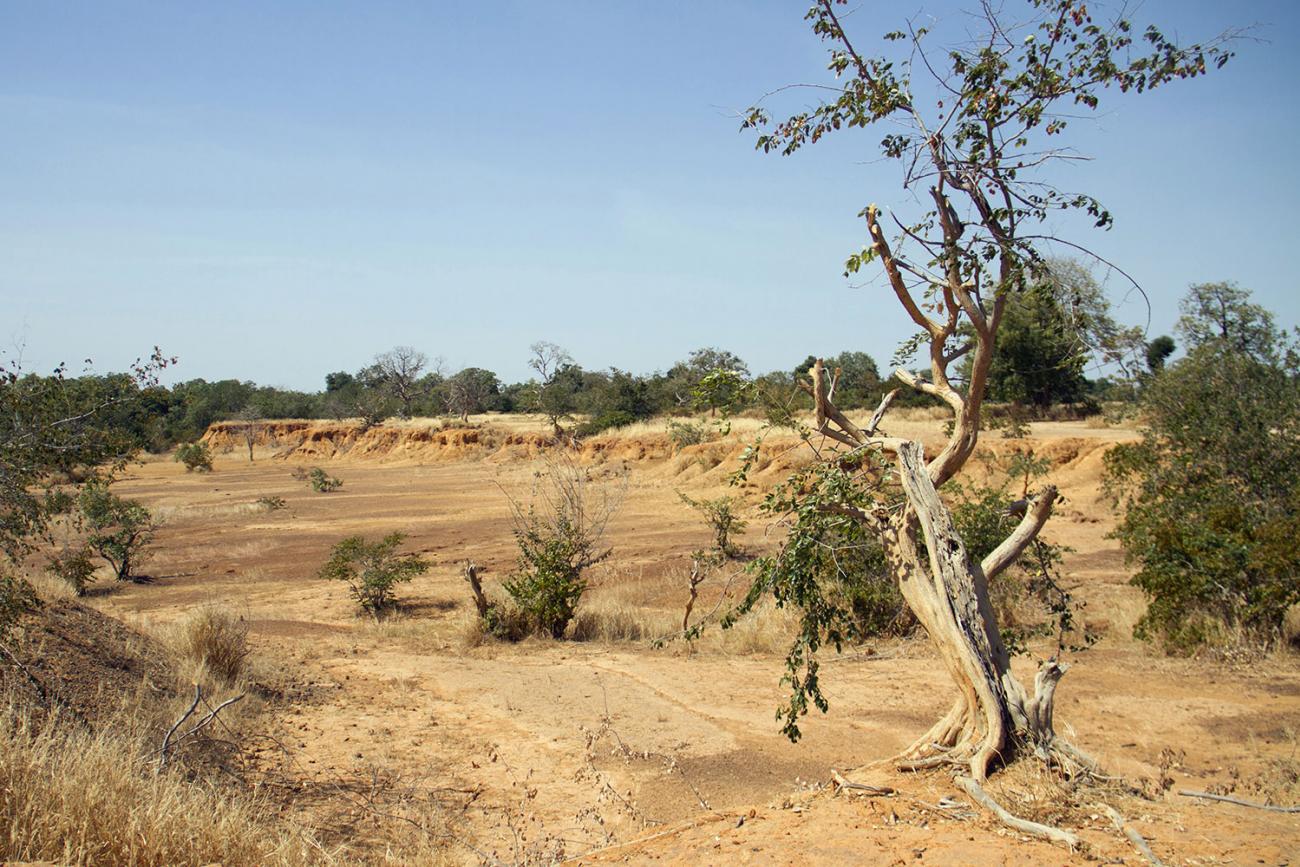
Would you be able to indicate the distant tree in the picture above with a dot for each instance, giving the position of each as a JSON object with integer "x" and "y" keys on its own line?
{"x": 722, "y": 391}
{"x": 614, "y": 399}
{"x": 398, "y": 372}
{"x": 468, "y": 391}
{"x": 248, "y": 423}
{"x": 338, "y": 381}
{"x": 554, "y": 394}
{"x": 1158, "y": 350}
{"x": 1040, "y": 361}
{"x": 1223, "y": 313}
{"x": 859, "y": 382}
{"x": 679, "y": 385}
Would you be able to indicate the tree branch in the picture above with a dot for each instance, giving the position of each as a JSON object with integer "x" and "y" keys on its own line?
{"x": 1013, "y": 546}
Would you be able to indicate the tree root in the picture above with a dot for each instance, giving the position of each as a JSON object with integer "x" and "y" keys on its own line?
{"x": 1047, "y": 832}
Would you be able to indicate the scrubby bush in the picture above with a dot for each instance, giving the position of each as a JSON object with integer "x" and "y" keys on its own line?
{"x": 73, "y": 565}
{"x": 558, "y": 534}
{"x": 196, "y": 457}
{"x": 322, "y": 482}
{"x": 16, "y": 598}
{"x": 605, "y": 421}
{"x": 120, "y": 530}
{"x": 372, "y": 569}
{"x": 272, "y": 504}
{"x": 688, "y": 433}
{"x": 720, "y": 514}
{"x": 553, "y": 552}
{"x": 1211, "y": 494}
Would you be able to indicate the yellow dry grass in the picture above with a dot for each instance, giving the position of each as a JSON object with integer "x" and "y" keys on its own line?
{"x": 73, "y": 796}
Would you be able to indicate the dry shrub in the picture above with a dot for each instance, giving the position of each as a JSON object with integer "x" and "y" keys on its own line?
{"x": 76, "y": 797}
{"x": 216, "y": 642}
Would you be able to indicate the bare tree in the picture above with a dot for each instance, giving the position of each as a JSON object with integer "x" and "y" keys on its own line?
{"x": 399, "y": 371}
{"x": 955, "y": 268}
{"x": 249, "y": 422}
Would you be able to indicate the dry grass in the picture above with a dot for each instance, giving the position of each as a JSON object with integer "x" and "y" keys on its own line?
{"x": 215, "y": 642}
{"x": 76, "y": 797}
{"x": 612, "y": 620}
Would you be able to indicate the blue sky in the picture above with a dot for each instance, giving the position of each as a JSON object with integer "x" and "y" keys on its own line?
{"x": 272, "y": 191}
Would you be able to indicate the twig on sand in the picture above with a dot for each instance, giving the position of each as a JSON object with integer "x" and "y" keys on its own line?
{"x": 1134, "y": 837}
{"x": 1188, "y": 793}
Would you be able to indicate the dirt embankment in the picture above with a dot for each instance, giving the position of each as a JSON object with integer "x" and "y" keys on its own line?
{"x": 324, "y": 440}
{"x": 1078, "y": 457}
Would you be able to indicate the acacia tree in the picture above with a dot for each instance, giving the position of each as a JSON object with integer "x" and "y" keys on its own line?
{"x": 975, "y": 127}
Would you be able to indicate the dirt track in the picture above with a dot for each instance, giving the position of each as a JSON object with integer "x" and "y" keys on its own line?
{"x": 575, "y": 746}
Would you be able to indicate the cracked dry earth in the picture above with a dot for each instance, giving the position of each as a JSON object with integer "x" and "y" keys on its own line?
{"x": 619, "y": 751}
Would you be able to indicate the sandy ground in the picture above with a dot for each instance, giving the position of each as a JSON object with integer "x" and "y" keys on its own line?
{"x": 632, "y": 753}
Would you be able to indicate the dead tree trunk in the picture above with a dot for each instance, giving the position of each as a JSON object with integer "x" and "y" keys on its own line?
{"x": 994, "y": 715}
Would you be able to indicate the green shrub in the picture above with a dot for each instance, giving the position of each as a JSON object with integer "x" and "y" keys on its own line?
{"x": 322, "y": 482}
{"x": 721, "y": 516}
{"x": 120, "y": 530}
{"x": 73, "y": 565}
{"x": 372, "y": 569}
{"x": 196, "y": 457}
{"x": 16, "y": 598}
{"x": 558, "y": 535}
{"x": 549, "y": 582}
{"x": 688, "y": 433}
{"x": 605, "y": 421}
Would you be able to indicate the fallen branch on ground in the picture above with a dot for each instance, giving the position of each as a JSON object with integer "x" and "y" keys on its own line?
{"x": 869, "y": 791}
{"x": 1134, "y": 837}
{"x": 1188, "y": 793}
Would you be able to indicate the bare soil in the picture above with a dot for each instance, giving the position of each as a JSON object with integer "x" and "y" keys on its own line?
{"x": 620, "y": 751}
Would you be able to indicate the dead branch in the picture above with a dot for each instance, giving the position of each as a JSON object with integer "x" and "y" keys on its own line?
{"x": 870, "y": 791}
{"x": 476, "y": 587}
{"x": 698, "y": 575}
{"x": 1188, "y": 793}
{"x": 167, "y": 738}
{"x": 1047, "y": 832}
{"x": 1134, "y": 837}
{"x": 879, "y": 414}
{"x": 1026, "y": 531}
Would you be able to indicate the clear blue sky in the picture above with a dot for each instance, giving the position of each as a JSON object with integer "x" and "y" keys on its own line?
{"x": 276, "y": 190}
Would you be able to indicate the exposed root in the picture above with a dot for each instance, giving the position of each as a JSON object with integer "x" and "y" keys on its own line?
{"x": 1047, "y": 832}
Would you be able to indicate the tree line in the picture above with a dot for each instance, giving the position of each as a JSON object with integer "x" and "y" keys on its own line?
{"x": 1062, "y": 329}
